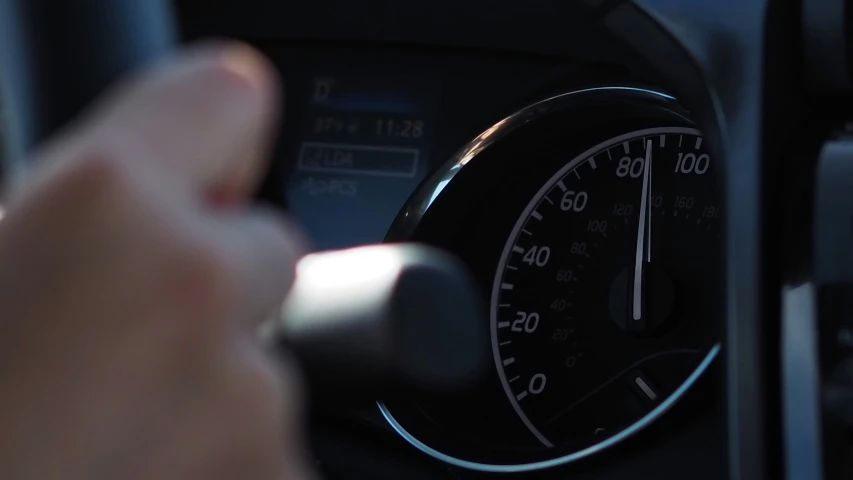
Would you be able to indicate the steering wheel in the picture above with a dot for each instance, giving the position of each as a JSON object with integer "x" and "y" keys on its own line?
{"x": 59, "y": 54}
{"x": 386, "y": 334}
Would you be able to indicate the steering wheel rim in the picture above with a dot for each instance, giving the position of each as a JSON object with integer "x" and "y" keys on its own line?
{"x": 58, "y": 55}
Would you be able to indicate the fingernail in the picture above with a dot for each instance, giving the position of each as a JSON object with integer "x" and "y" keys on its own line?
{"x": 246, "y": 63}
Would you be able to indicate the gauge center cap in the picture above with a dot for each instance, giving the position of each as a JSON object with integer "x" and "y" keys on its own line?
{"x": 658, "y": 296}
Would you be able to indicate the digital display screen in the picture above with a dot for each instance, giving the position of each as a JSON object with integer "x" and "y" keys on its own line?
{"x": 364, "y": 147}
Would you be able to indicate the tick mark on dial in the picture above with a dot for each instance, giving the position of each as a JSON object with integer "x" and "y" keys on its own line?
{"x": 646, "y": 388}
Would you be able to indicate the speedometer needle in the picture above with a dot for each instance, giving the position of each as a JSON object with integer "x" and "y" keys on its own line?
{"x": 643, "y": 236}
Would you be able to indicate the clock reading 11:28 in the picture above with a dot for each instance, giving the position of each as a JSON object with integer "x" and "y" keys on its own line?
{"x": 399, "y": 128}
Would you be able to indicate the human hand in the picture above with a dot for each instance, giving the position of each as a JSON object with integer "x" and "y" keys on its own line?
{"x": 133, "y": 275}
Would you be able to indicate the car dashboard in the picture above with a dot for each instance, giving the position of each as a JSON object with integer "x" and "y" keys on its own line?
{"x": 571, "y": 177}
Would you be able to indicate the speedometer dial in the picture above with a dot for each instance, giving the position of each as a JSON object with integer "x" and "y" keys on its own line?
{"x": 605, "y": 297}
{"x": 591, "y": 221}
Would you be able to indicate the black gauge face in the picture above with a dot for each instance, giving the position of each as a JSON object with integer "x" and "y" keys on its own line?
{"x": 592, "y": 223}
{"x": 605, "y": 300}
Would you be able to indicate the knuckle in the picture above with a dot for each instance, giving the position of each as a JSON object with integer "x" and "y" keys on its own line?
{"x": 208, "y": 276}
{"x": 101, "y": 171}
{"x": 106, "y": 185}
{"x": 200, "y": 289}
{"x": 207, "y": 307}
{"x": 90, "y": 186}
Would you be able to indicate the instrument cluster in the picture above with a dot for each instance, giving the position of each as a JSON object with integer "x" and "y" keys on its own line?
{"x": 592, "y": 221}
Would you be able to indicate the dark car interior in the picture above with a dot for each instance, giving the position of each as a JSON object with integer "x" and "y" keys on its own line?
{"x": 618, "y": 234}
